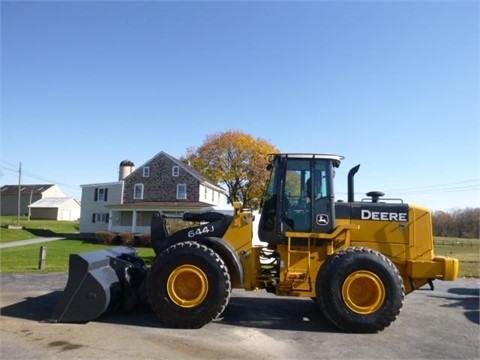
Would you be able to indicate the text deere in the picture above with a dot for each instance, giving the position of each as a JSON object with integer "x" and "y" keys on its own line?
{"x": 383, "y": 215}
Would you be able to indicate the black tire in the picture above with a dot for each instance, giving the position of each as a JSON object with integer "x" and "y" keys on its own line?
{"x": 188, "y": 285}
{"x": 360, "y": 290}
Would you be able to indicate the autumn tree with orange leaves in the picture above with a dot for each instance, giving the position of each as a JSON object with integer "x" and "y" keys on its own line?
{"x": 236, "y": 160}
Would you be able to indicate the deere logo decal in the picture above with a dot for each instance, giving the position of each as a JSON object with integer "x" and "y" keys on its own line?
{"x": 383, "y": 215}
{"x": 322, "y": 219}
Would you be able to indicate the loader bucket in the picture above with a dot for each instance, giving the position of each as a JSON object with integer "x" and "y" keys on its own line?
{"x": 100, "y": 281}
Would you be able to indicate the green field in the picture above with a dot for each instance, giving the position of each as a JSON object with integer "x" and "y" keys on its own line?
{"x": 35, "y": 228}
{"x": 466, "y": 250}
{"x": 25, "y": 258}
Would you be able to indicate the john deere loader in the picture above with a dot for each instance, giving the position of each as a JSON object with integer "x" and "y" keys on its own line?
{"x": 356, "y": 259}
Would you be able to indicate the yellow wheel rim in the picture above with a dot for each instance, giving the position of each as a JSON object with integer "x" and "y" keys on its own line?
{"x": 187, "y": 286}
{"x": 363, "y": 292}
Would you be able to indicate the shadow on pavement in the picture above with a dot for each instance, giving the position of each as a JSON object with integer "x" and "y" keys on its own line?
{"x": 264, "y": 312}
{"x": 255, "y": 312}
{"x": 40, "y": 309}
{"x": 33, "y": 308}
{"x": 276, "y": 314}
{"x": 469, "y": 300}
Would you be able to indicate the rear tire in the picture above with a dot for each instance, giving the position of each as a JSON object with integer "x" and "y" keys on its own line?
{"x": 360, "y": 290}
{"x": 188, "y": 285}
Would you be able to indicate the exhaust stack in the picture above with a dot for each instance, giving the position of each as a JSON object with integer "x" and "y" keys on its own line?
{"x": 351, "y": 190}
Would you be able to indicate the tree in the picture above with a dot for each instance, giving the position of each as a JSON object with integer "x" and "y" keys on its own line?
{"x": 443, "y": 224}
{"x": 236, "y": 160}
{"x": 459, "y": 223}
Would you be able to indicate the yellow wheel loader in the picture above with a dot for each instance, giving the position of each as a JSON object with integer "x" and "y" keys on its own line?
{"x": 356, "y": 259}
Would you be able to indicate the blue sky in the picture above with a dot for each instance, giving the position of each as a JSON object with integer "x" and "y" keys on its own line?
{"x": 392, "y": 85}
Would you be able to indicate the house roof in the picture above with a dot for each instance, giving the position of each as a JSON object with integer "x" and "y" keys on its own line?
{"x": 102, "y": 184}
{"x": 188, "y": 169}
{"x": 25, "y": 189}
{"x": 52, "y": 202}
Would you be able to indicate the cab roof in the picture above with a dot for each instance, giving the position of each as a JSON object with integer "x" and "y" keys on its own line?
{"x": 337, "y": 158}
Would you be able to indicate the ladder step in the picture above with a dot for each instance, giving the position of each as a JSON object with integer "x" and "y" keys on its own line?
{"x": 296, "y": 275}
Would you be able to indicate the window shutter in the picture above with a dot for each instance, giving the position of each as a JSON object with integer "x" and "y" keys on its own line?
{"x": 96, "y": 195}
{"x": 106, "y": 193}
{"x": 106, "y": 218}
{"x": 93, "y": 217}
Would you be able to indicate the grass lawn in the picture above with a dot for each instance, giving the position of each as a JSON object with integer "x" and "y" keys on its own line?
{"x": 35, "y": 228}
{"x": 25, "y": 259}
{"x": 466, "y": 250}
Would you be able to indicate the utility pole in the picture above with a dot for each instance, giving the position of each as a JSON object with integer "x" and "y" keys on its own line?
{"x": 30, "y": 203}
{"x": 19, "y": 195}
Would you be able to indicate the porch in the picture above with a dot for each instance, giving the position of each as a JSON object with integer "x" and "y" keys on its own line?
{"x": 136, "y": 218}
{"x": 134, "y": 229}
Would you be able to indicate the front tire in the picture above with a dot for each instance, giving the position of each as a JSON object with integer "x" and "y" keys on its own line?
{"x": 360, "y": 290}
{"x": 188, "y": 285}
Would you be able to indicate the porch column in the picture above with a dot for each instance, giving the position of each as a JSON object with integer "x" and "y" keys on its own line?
{"x": 110, "y": 220}
{"x": 134, "y": 220}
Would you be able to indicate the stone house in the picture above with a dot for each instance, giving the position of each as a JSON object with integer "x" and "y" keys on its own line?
{"x": 163, "y": 183}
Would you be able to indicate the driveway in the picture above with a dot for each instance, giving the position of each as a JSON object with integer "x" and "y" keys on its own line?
{"x": 440, "y": 324}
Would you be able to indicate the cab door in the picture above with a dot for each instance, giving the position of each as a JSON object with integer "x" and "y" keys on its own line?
{"x": 298, "y": 198}
{"x": 323, "y": 209}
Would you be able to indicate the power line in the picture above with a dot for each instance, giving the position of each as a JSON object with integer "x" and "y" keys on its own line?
{"x": 37, "y": 177}
{"x": 433, "y": 189}
{"x": 441, "y": 191}
{"x": 425, "y": 190}
{"x": 429, "y": 187}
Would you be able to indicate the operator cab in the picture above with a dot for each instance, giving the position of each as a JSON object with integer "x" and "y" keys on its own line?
{"x": 299, "y": 196}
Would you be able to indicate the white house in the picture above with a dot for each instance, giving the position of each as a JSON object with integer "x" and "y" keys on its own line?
{"x": 28, "y": 194}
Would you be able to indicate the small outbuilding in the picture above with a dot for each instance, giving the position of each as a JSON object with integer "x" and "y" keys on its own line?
{"x": 55, "y": 208}
{"x": 27, "y": 194}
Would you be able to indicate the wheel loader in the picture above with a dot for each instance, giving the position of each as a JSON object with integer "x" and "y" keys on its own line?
{"x": 356, "y": 259}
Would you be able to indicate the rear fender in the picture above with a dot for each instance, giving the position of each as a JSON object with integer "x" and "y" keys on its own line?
{"x": 230, "y": 256}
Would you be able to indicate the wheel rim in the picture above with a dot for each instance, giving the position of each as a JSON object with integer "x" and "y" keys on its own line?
{"x": 187, "y": 286}
{"x": 363, "y": 292}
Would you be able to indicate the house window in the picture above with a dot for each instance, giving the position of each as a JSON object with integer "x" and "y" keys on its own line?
{"x": 181, "y": 191}
{"x": 138, "y": 191}
{"x": 100, "y": 217}
{"x": 100, "y": 194}
{"x": 213, "y": 195}
{"x": 146, "y": 171}
{"x": 205, "y": 194}
{"x": 175, "y": 170}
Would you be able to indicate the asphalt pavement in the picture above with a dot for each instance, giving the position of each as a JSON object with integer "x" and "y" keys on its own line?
{"x": 439, "y": 324}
